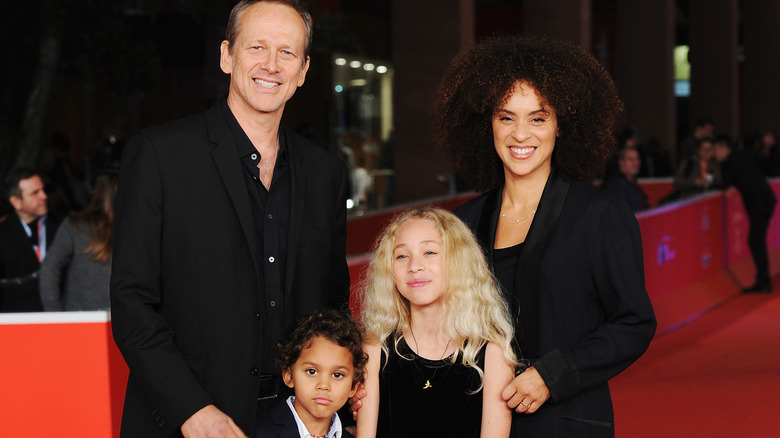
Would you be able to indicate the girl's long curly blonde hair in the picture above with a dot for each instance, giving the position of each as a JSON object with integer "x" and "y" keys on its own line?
{"x": 475, "y": 311}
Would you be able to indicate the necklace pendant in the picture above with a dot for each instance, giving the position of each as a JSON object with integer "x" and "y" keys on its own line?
{"x": 427, "y": 384}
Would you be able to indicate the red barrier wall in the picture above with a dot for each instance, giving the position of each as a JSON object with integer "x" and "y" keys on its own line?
{"x": 685, "y": 258}
{"x": 61, "y": 375}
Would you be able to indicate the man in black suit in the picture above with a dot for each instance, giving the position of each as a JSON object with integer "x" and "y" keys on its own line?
{"x": 229, "y": 227}
{"x": 24, "y": 238}
{"x": 623, "y": 182}
{"x": 759, "y": 200}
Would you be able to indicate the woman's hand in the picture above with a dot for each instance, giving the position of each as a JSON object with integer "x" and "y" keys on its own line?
{"x": 355, "y": 402}
{"x": 527, "y": 392}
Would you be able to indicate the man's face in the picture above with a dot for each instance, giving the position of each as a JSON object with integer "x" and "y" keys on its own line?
{"x": 267, "y": 63}
{"x": 629, "y": 164}
{"x": 32, "y": 203}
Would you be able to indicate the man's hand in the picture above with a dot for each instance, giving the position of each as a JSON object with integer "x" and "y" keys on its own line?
{"x": 210, "y": 422}
{"x": 527, "y": 392}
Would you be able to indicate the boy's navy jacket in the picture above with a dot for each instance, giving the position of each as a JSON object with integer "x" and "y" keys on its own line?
{"x": 279, "y": 422}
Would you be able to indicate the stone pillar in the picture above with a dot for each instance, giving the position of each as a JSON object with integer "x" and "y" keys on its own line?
{"x": 565, "y": 19}
{"x": 713, "y": 58}
{"x": 645, "y": 68}
{"x": 761, "y": 69}
{"x": 427, "y": 34}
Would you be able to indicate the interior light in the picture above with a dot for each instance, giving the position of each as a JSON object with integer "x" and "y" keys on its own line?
{"x": 381, "y": 69}
{"x": 340, "y": 61}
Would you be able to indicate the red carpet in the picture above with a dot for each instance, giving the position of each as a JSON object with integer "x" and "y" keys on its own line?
{"x": 718, "y": 376}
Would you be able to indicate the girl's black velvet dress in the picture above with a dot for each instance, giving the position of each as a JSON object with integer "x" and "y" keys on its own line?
{"x": 448, "y": 408}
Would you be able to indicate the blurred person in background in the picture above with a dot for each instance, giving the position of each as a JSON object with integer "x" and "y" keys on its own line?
{"x": 759, "y": 200}
{"x": 762, "y": 148}
{"x": 699, "y": 173}
{"x": 704, "y": 127}
{"x": 25, "y": 237}
{"x": 623, "y": 183}
{"x": 77, "y": 271}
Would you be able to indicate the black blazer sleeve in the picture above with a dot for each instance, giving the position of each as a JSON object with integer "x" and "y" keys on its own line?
{"x": 143, "y": 334}
{"x": 598, "y": 286}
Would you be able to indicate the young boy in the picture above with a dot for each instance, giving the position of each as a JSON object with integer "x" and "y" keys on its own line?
{"x": 323, "y": 362}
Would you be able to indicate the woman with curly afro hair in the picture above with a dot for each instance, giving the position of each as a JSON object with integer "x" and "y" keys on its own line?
{"x": 528, "y": 120}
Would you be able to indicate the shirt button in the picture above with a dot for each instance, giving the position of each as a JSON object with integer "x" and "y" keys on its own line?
{"x": 270, "y": 216}
{"x": 271, "y": 259}
{"x": 254, "y": 371}
{"x": 257, "y": 316}
{"x": 273, "y": 303}
{"x": 253, "y": 156}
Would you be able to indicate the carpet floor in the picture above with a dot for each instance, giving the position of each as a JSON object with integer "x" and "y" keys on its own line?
{"x": 717, "y": 376}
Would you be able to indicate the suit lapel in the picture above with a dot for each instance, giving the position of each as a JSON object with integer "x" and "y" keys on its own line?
{"x": 542, "y": 227}
{"x": 282, "y": 416}
{"x": 529, "y": 266}
{"x": 229, "y": 166}
{"x": 488, "y": 222}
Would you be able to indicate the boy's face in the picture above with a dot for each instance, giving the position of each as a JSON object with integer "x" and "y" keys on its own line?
{"x": 322, "y": 379}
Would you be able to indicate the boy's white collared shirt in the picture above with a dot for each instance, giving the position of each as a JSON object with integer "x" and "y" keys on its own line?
{"x": 335, "y": 423}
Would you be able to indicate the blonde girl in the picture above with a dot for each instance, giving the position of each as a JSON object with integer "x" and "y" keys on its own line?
{"x": 438, "y": 333}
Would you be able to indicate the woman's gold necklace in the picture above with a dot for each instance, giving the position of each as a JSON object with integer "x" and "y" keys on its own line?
{"x": 428, "y": 381}
{"x": 517, "y": 221}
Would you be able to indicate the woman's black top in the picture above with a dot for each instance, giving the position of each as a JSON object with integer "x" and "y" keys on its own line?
{"x": 523, "y": 302}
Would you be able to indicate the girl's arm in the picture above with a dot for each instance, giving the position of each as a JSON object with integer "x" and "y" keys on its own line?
{"x": 496, "y": 415}
{"x": 369, "y": 413}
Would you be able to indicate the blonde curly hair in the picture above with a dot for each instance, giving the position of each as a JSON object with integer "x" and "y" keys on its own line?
{"x": 475, "y": 311}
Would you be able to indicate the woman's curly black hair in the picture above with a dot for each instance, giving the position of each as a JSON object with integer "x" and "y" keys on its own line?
{"x": 567, "y": 78}
{"x": 334, "y": 325}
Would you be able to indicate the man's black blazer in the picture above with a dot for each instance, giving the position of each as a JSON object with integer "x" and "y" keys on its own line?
{"x": 186, "y": 295}
{"x": 18, "y": 260}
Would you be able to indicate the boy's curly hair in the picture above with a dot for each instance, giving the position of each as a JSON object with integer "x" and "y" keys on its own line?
{"x": 566, "y": 77}
{"x": 334, "y": 325}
